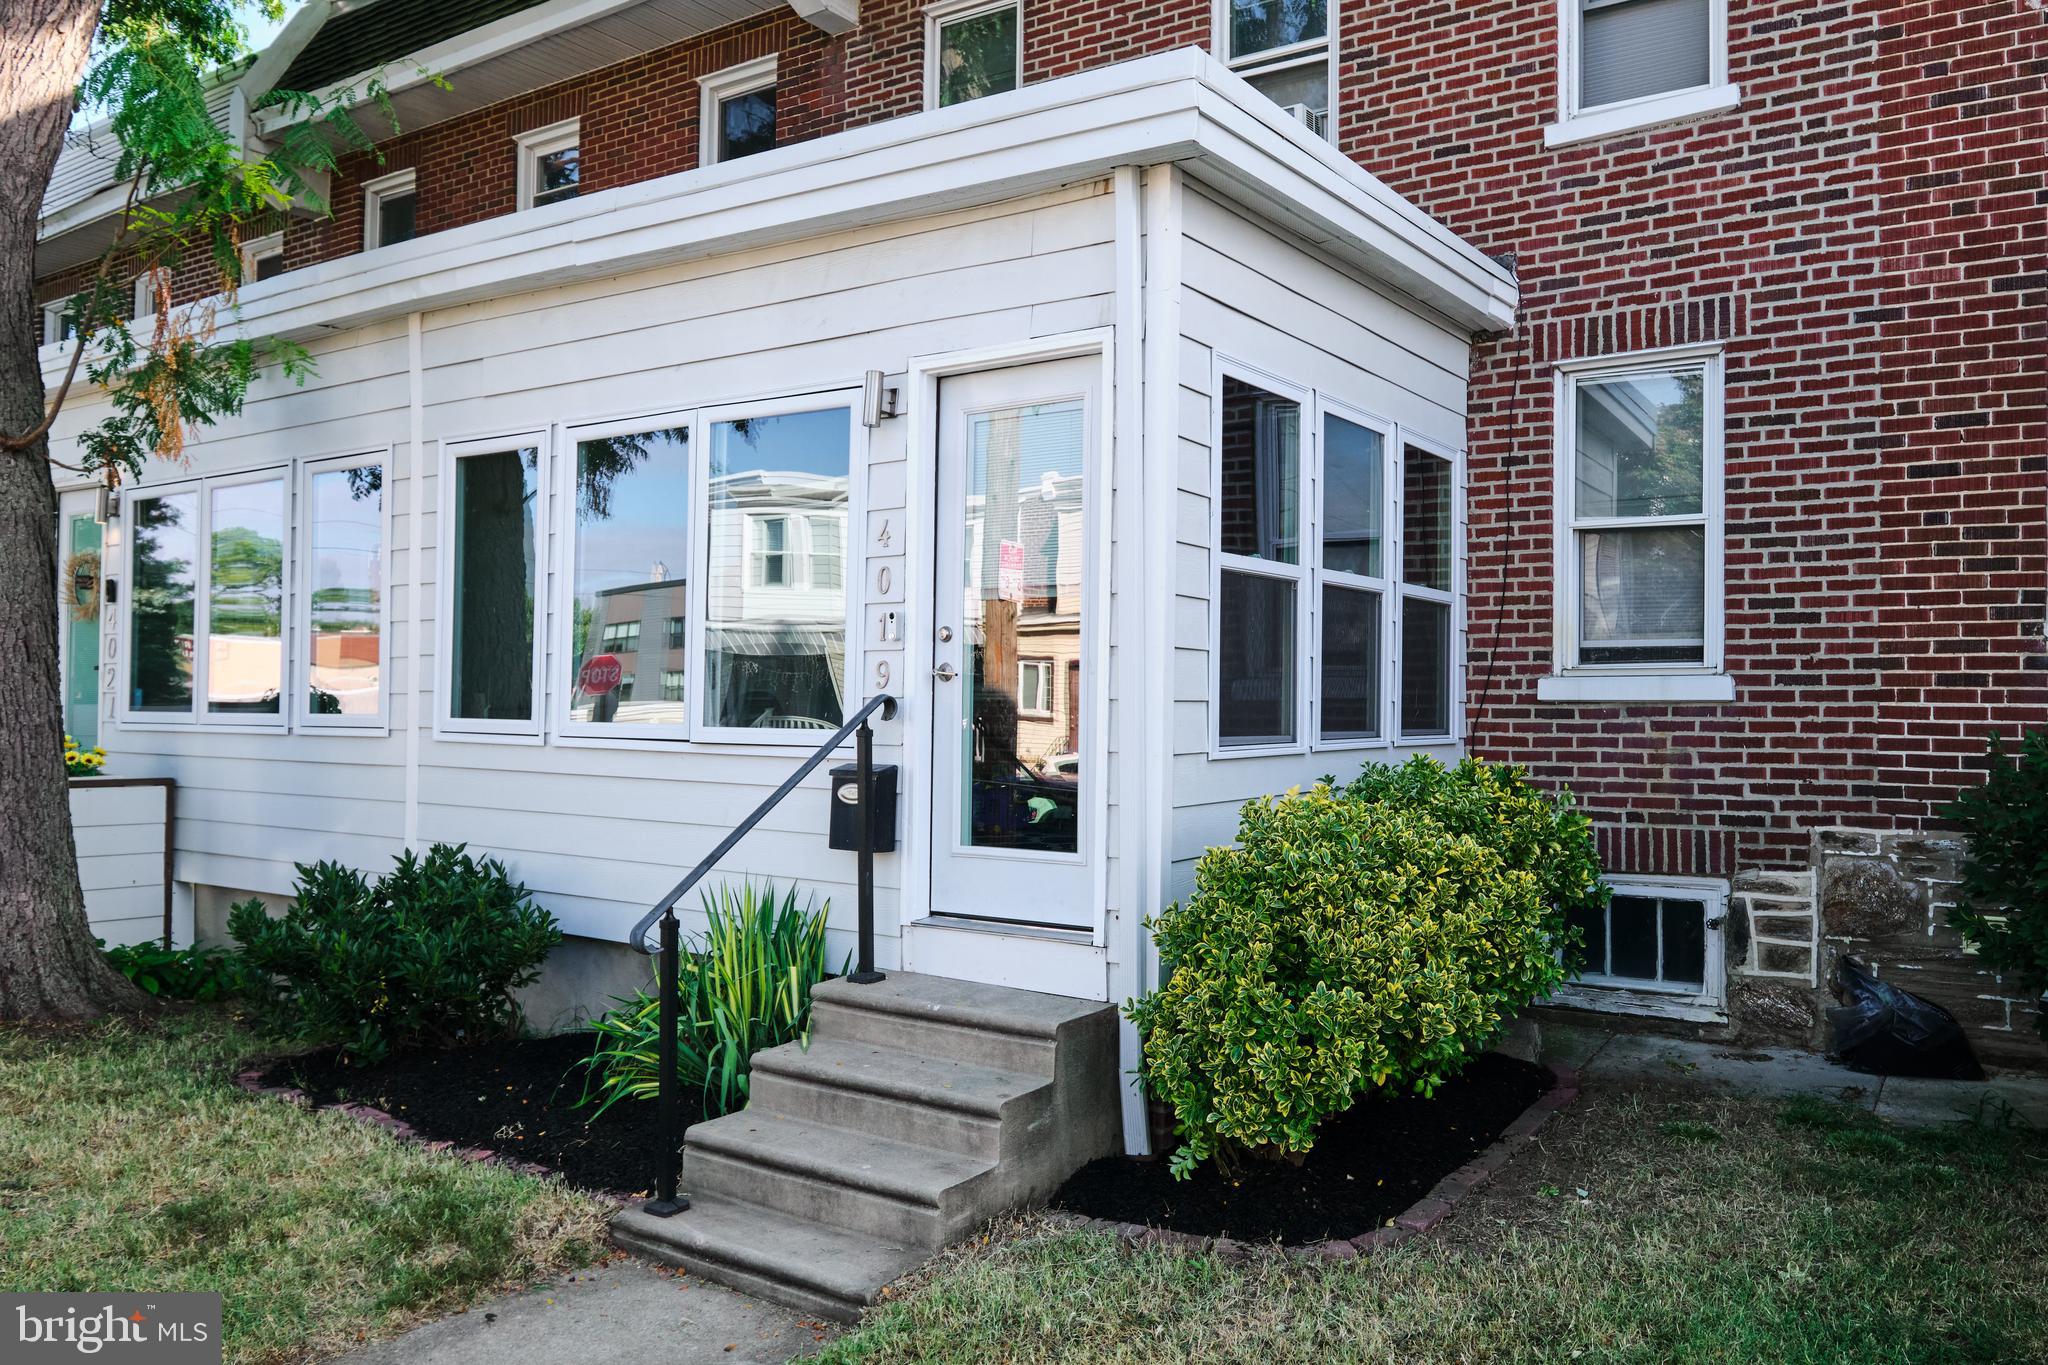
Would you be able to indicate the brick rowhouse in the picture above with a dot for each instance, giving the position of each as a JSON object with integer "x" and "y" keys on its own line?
{"x": 1866, "y": 236}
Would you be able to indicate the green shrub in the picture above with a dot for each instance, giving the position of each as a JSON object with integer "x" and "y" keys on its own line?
{"x": 428, "y": 956}
{"x": 1496, "y": 804}
{"x": 179, "y": 973}
{"x": 745, "y": 987}
{"x": 1351, "y": 942}
{"x": 2004, "y": 909}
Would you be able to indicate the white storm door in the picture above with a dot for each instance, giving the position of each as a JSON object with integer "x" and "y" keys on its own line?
{"x": 1014, "y": 647}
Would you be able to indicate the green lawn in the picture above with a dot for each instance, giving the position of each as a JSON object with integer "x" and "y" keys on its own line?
{"x": 1709, "y": 1230}
{"x": 128, "y": 1161}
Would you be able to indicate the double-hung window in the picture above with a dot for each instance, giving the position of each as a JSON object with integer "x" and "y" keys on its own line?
{"x": 737, "y": 113}
{"x": 1429, "y": 625}
{"x": 1259, "y": 581}
{"x": 1639, "y": 529}
{"x": 1351, "y": 577}
{"x": 972, "y": 48}
{"x": 1283, "y": 48}
{"x": 208, "y": 569}
{"x": 550, "y": 164}
{"x": 1629, "y": 64}
{"x": 1336, "y": 596}
{"x": 390, "y": 209}
{"x": 342, "y": 612}
{"x": 60, "y": 324}
{"x": 491, "y": 523}
{"x": 1034, "y": 688}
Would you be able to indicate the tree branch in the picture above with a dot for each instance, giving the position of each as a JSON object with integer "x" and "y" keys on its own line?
{"x": 99, "y": 280}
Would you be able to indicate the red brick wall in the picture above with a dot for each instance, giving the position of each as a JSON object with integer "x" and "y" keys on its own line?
{"x": 1869, "y": 234}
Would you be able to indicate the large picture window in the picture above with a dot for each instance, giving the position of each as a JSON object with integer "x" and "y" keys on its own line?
{"x": 1639, "y": 516}
{"x": 630, "y": 582}
{"x": 344, "y": 592}
{"x": 778, "y": 487}
{"x": 491, "y": 530}
{"x": 209, "y": 567}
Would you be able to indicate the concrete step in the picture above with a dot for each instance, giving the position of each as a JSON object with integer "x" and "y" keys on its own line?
{"x": 825, "y": 1271}
{"x": 993, "y": 1026}
{"x": 916, "y": 1196}
{"x": 903, "y": 1096}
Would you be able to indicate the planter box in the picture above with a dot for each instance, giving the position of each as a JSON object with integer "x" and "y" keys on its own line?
{"x": 123, "y": 827}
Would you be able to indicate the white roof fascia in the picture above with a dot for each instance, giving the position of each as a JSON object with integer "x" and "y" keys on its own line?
{"x": 1174, "y": 107}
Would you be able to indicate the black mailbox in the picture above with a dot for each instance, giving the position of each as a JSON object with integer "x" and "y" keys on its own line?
{"x": 846, "y": 808}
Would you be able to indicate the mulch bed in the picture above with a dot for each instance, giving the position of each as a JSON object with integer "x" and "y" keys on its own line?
{"x": 515, "y": 1100}
{"x": 1378, "y": 1162}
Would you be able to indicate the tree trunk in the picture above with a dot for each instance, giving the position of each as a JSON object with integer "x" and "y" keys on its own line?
{"x": 49, "y": 968}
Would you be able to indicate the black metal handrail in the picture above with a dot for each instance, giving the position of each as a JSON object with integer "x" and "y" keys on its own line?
{"x": 667, "y": 1201}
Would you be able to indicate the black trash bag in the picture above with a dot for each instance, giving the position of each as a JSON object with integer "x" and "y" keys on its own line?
{"x": 1885, "y": 1031}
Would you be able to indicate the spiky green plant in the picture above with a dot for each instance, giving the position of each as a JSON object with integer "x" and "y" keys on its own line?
{"x": 745, "y": 986}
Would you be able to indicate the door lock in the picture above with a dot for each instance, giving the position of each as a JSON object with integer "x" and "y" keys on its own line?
{"x": 944, "y": 673}
{"x": 945, "y": 634}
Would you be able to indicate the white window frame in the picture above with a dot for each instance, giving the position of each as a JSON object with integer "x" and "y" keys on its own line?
{"x": 720, "y": 86}
{"x": 1312, "y": 575}
{"x": 260, "y": 249}
{"x": 1628, "y": 995}
{"x": 302, "y": 614}
{"x": 1580, "y": 123}
{"x": 393, "y": 186}
{"x": 562, "y": 642}
{"x": 1454, "y": 710}
{"x": 197, "y": 717}
{"x": 1305, "y": 53}
{"x": 701, "y": 549}
{"x": 757, "y": 551}
{"x": 1327, "y": 407}
{"x": 1046, "y": 669}
{"x": 447, "y": 725}
{"x": 53, "y": 321}
{"x": 1305, "y": 659}
{"x": 536, "y": 143}
{"x": 144, "y": 304}
{"x": 936, "y": 18}
{"x": 1571, "y": 680}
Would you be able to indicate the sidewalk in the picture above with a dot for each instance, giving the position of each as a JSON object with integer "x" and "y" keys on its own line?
{"x": 625, "y": 1313}
{"x": 1608, "y": 1058}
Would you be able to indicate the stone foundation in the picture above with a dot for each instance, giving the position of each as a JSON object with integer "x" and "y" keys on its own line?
{"x": 1883, "y": 898}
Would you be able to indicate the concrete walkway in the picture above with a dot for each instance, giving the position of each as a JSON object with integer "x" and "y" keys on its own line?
{"x": 1607, "y": 1058}
{"x": 625, "y": 1313}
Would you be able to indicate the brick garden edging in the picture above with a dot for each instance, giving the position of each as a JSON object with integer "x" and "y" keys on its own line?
{"x": 1424, "y": 1214}
{"x": 251, "y": 1080}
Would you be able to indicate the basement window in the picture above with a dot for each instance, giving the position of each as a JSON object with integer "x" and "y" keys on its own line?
{"x": 1655, "y": 947}
{"x": 1283, "y": 48}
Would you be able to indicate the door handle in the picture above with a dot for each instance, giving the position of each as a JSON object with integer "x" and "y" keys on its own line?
{"x": 944, "y": 673}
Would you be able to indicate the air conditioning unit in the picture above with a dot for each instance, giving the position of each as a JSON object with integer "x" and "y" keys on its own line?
{"x": 1317, "y": 121}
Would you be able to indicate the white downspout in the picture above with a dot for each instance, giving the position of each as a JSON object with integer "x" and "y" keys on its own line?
{"x": 415, "y": 482}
